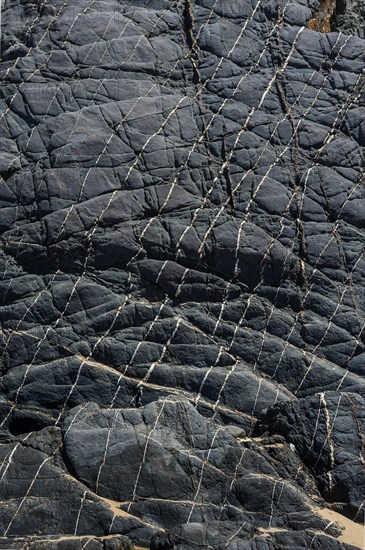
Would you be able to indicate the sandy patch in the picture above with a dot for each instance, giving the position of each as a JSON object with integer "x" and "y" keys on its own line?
{"x": 353, "y": 533}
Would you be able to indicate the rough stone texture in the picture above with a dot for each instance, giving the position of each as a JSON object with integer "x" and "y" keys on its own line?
{"x": 328, "y": 432}
{"x": 69, "y": 543}
{"x": 350, "y": 16}
{"x": 272, "y": 541}
{"x": 182, "y": 258}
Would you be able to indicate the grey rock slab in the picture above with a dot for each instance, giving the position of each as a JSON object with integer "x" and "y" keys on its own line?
{"x": 182, "y": 245}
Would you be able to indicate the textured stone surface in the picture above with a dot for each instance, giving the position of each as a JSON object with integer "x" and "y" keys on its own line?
{"x": 182, "y": 257}
{"x": 350, "y": 16}
{"x": 328, "y": 432}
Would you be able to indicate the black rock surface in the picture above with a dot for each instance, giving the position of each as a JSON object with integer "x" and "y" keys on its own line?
{"x": 182, "y": 258}
{"x": 327, "y": 430}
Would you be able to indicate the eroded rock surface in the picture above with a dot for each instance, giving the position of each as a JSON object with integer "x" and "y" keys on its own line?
{"x": 328, "y": 432}
{"x": 182, "y": 258}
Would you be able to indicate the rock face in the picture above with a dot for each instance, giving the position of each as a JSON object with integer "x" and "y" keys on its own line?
{"x": 182, "y": 256}
{"x": 328, "y": 432}
{"x": 350, "y": 16}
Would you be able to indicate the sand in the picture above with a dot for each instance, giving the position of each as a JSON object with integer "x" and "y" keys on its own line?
{"x": 353, "y": 533}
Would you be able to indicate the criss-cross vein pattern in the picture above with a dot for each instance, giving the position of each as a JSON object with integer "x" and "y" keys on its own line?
{"x": 182, "y": 218}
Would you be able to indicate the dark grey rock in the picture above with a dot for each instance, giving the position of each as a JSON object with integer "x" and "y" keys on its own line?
{"x": 167, "y": 457}
{"x": 182, "y": 248}
{"x": 327, "y": 431}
